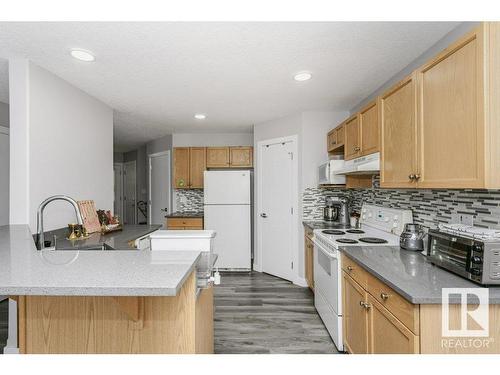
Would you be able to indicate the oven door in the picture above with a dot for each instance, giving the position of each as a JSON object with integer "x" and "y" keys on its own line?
{"x": 327, "y": 276}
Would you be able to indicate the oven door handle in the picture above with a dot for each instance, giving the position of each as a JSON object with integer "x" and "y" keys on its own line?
{"x": 326, "y": 252}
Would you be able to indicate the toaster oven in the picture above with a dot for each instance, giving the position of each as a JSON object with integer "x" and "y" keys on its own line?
{"x": 474, "y": 259}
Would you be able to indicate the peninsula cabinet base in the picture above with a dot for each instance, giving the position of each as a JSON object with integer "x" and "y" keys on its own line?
{"x": 60, "y": 324}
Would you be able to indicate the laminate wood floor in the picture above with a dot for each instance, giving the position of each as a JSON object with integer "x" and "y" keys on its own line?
{"x": 259, "y": 313}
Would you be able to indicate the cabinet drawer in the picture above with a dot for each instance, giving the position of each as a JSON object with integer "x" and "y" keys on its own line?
{"x": 402, "y": 309}
{"x": 355, "y": 271}
{"x": 176, "y": 222}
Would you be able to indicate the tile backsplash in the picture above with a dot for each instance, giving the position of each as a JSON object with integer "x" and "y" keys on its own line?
{"x": 188, "y": 199}
{"x": 429, "y": 206}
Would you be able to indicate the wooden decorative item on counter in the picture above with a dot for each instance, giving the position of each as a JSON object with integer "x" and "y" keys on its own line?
{"x": 89, "y": 216}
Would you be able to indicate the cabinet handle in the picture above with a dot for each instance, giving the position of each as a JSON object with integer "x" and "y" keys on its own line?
{"x": 356, "y": 148}
{"x": 365, "y": 305}
{"x": 349, "y": 268}
{"x": 417, "y": 177}
{"x": 411, "y": 176}
{"x": 384, "y": 296}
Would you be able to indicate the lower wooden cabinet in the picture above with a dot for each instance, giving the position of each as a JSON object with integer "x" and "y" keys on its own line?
{"x": 184, "y": 223}
{"x": 309, "y": 261}
{"x": 355, "y": 322}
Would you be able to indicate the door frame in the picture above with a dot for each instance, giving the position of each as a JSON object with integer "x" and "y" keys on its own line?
{"x": 120, "y": 165}
{"x": 134, "y": 162}
{"x": 4, "y": 130}
{"x": 169, "y": 192}
{"x": 294, "y": 204}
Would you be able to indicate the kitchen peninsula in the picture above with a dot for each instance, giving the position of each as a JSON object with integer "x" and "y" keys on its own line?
{"x": 81, "y": 301}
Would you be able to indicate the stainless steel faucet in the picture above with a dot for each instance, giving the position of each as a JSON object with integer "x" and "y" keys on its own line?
{"x": 39, "y": 218}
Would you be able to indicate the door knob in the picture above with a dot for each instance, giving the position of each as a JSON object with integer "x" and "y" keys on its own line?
{"x": 263, "y": 215}
{"x": 164, "y": 209}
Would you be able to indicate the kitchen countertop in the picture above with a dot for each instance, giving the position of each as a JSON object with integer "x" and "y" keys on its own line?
{"x": 114, "y": 240}
{"x": 411, "y": 274}
{"x": 185, "y": 214}
{"x": 319, "y": 224}
{"x": 27, "y": 271}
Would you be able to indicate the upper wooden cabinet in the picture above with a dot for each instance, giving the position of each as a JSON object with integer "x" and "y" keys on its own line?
{"x": 230, "y": 157}
{"x": 398, "y": 126}
{"x": 451, "y": 126}
{"x": 352, "y": 145}
{"x": 217, "y": 157}
{"x": 181, "y": 167}
{"x": 369, "y": 130}
{"x": 449, "y": 135}
{"x": 189, "y": 165}
{"x": 335, "y": 139}
{"x": 197, "y": 166}
{"x": 241, "y": 156}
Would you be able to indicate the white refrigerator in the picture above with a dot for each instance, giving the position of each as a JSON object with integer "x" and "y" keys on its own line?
{"x": 228, "y": 210}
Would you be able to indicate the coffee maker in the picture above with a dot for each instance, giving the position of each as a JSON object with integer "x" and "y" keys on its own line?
{"x": 336, "y": 210}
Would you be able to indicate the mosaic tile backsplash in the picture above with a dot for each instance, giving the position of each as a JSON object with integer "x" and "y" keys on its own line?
{"x": 430, "y": 207}
{"x": 188, "y": 200}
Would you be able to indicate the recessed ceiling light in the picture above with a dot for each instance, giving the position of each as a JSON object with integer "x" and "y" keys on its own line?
{"x": 200, "y": 116}
{"x": 82, "y": 55}
{"x": 303, "y": 76}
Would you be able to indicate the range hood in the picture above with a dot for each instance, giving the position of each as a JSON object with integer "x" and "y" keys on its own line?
{"x": 369, "y": 164}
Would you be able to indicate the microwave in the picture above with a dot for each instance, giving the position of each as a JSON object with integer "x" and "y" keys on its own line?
{"x": 327, "y": 173}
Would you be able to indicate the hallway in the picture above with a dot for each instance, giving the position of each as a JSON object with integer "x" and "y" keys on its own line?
{"x": 259, "y": 313}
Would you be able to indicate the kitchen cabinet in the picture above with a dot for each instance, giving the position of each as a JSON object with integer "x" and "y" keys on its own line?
{"x": 369, "y": 130}
{"x": 355, "y": 321}
{"x": 241, "y": 156}
{"x": 189, "y": 165}
{"x": 398, "y": 159}
{"x": 352, "y": 148}
{"x": 376, "y": 318}
{"x": 335, "y": 139}
{"x": 441, "y": 125}
{"x": 184, "y": 223}
{"x": 197, "y": 167}
{"x": 218, "y": 157}
{"x": 309, "y": 257}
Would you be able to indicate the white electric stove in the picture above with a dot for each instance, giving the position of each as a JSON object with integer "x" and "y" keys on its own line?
{"x": 379, "y": 226}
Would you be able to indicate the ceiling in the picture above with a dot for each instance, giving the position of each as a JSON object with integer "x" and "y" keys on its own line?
{"x": 156, "y": 76}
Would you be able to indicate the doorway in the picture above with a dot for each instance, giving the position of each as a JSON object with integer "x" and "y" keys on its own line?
{"x": 277, "y": 207}
{"x": 159, "y": 187}
{"x": 118, "y": 189}
{"x": 130, "y": 193}
{"x": 4, "y": 175}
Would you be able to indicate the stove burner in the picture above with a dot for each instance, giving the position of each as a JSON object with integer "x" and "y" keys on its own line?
{"x": 372, "y": 240}
{"x": 346, "y": 240}
{"x": 330, "y": 231}
{"x": 358, "y": 231}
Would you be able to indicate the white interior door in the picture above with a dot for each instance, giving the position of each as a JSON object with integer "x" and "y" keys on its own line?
{"x": 275, "y": 211}
{"x": 159, "y": 187}
{"x": 118, "y": 189}
{"x": 4, "y": 176}
{"x": 130, "y": 194}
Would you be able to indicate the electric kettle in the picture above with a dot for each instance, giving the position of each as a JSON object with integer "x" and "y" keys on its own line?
{"x": 412, "y": 237}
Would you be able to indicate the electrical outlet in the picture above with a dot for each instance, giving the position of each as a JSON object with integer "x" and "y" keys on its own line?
{"x": 465, "y": 219}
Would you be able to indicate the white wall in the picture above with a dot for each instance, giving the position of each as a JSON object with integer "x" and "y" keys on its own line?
{"x": 212, "y": 139}
{"x": 4, "y": 164}
{"x": 311, "y": 128}
{"x": 68, "y": 138}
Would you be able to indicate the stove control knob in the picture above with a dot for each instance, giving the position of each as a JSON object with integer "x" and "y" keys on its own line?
{"x": 386, "y": 219}
{"x": 475, "y": 271}
{"x": 476, "y": 260}
{"x": 394, "y": 225}
{"x": 395, "y": 218}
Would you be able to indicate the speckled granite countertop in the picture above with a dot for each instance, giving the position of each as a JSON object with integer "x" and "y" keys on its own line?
{"x": 185, "y": 214}
{"x": 118, "y": 240}
{"x": 411, "y": 274}
{"x": 319, "y": 224}
{"x": 27, "y": 271}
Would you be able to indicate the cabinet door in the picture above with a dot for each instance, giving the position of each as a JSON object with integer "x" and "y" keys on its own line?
{"x": 340, "y": 137}
{"x": 332, "y": 140}
{"x": 450, "y": 116}
{"x": 197, "y": 165}
{"x": 217, "y": 157}
{"x": 241, "y": 156}
{"x": 369, "y": 130}
{"x": 181, "y": 167}
{"x": 398, "y": 127}
{"x": 355, "y": 316}
{"x": 352, "y": 148}
{"x": 309, "y": 265}
{"x": 387, "y": 335}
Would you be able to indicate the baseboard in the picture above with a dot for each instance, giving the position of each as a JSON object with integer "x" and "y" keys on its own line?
{"x": 10, "y": 350}
{"x": 300, "y": 281}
